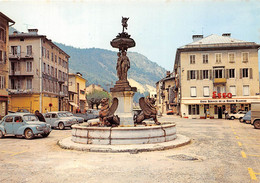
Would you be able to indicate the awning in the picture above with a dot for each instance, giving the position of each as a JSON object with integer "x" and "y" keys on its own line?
{"x": 73, "y": 104}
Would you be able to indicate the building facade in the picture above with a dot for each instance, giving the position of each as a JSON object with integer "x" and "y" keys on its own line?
{"x": 216, "y": 74}
{"x": 166, "y": 95}
{"x": 38, "y": 77}
{"x": 77, "y": 92}
{"x": 4, "y": 62}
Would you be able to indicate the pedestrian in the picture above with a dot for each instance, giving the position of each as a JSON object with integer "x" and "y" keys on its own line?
{"x": 226, "y": 114}
{"x": 40, "y": 116}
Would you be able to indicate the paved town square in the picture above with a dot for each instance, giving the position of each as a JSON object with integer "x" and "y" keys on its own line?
{"x": 220, "y": 151}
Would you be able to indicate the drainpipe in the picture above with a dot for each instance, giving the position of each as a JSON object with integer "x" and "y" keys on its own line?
{"x": 40, "y": 75}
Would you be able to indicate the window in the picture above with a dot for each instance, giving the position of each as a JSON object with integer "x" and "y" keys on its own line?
{"x": 245, "y": 73}
{"x": 205, "y": 74}
{"x": 194, "y": 109}
{"x": 231, "y": 57}
{"x": 206, "y": 91}
{"x": 193, "y": 92}
{"x": 29, "y": 84}
{"x": 218, "y": 57}
{"x": 192, "y": 74}
{"x": 231, "y": 73}
{"x": 51, "y": 56}
{"x": 52, "y": 71}
{"x": 48, "y": 69}
{"x": 232, "y": 90}
{"x": 2, "y": 82}
{"x": 219, "y": 73}
{"x": 29, "y": 50}
{"x": 2, "y": 34}
{"x": 205, "y": 58}
{"x": 192, "y": 59}
{"x": 47, "y": 116}
{"x": 55, "y": 72}
{"x": 54, "y": 116}
{"x": 28, "y": 66}
{"x": 48, "y": 54}
{"x": 56, "y": 58}
{"x": 246, "y": 90}
{"x": 59, "y": 61}
{"x": 18, "y": 84}
{"x": 245, "y": 57}
{"x": 16, "y": 50}
{"x": 1, "y": 56}
{"x": 9, "y": 119}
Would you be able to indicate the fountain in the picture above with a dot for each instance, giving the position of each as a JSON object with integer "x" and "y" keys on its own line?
{"x": 117, "y": 130}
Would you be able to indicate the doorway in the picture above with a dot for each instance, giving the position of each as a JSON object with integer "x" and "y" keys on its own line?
{"x": 220, "y": 112}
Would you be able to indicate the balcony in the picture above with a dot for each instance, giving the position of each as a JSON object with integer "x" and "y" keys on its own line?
{"x": 20, "y": 73}
{"x": 20, "y": 56}
{"x": 220, "y": 80}
{"x": 20, "y": 91}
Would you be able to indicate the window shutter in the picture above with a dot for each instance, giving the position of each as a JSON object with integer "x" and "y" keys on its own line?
{"x": 4, "y": 82}
{"x": 251, "y": 73}
{"x": 201, "y": 74}
{"x": 198, "y": 74}
{"x": 227, "y": 73}
{"x": 241, "y": 72}
{"x": 210, "y": 74}
{"x": 188, "y": 75}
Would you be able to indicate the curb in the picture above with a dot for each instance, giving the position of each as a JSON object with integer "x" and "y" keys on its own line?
{"x": 181, "y": 140}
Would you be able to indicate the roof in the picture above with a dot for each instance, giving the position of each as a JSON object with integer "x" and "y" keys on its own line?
{"x": 6, "y": 17}
{"x": 214, "y": 40}
{"x": 30, "y": 35}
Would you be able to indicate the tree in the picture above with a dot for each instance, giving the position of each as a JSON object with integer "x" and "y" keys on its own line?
{"x": 95, "y": 97}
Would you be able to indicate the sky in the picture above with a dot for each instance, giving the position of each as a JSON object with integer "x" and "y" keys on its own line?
{"x": 158, "y": 27}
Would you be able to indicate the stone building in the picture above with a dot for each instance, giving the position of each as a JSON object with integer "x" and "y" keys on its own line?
{"x": 4, "y": 62}
{"x": 166, "y": 95}
{"x": 216, "y": 73}
{"x": 77, "y": 92}
{"x": 38, "y": 73}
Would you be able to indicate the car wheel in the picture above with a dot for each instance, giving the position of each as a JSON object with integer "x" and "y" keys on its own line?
{"x": 232, "y": 117}
{"x": 1, "y": 134}
{"x": 28, "y": 134}
{"x": 61, "y": 126}
{"x": 45, "y": 134}
{"x": 257, "y": 124}
{"x": 241, "y": 120}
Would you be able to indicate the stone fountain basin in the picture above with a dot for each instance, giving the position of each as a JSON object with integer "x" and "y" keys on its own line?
{"x": 123, "y": 135}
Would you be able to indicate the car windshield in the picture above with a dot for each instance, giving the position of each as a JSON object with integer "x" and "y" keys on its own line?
{"x": 62, "y": 115}
{"x": 30, "y": 118}
{"x": 69, "y": 114}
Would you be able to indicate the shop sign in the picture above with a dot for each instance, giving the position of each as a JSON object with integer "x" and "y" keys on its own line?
{"x": 221, "y": 95}
{"x": 222, "y": 101}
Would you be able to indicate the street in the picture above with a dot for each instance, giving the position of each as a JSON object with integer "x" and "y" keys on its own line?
{"x": 220, "y": 151}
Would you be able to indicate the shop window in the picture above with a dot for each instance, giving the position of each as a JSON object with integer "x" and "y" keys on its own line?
{"x": 194, "y": 110}
{"x": 215, "y": 109}
{"x": 233, "y": 108}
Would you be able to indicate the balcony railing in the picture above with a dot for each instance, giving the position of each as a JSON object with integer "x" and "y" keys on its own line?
{"x": 20, "y": 91}
{"x": 220, "y": 80}
{"x": 20, "y": 73}
{"x": 18, "y": 56}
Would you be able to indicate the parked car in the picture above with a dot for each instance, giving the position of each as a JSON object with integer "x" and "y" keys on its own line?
{"x": 59, "y": 120}
{"x": 255, "y": 114}
{"x": 69, "y": 114}
{"x": 246, "y": 118}
{"x": 89, "y": 114}
{"x": 239, "y": 115}
{"x": 23, "y": 124}
{"x": 23, "y": 110}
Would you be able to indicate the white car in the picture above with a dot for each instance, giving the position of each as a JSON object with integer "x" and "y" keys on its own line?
{"x": 59, "y": 119}
{"x": 239, "y": 115}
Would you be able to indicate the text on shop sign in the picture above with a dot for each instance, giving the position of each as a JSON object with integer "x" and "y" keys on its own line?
{"x": 221, "y": 95}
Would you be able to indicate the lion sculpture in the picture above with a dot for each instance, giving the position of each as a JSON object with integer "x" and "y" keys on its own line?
{"x": 148, "y": 111}
{"x": 106, "y": 114}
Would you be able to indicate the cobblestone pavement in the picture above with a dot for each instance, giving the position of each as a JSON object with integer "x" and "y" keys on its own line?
{"x": 220, "y": 151}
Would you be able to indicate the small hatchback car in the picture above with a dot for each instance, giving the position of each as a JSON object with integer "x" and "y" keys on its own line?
{"x": 23, "y": 124}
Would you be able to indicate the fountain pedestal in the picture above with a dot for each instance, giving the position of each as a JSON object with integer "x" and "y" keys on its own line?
{"x": 124, "y": 93}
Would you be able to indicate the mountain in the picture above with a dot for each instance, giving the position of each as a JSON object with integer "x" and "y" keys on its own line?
{"x": 99, "y": 67}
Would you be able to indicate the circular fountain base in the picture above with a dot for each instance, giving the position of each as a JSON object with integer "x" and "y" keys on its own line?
{"x": 123, "y": 135}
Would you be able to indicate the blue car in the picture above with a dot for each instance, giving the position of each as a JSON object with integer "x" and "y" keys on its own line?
{"x": 24, "y": 125}
{"x": 246, "y": 118}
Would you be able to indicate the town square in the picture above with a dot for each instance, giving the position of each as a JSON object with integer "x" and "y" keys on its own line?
{"x": 134, "y": 91}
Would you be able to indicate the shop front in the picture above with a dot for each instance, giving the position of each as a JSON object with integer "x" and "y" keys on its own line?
{"x": 214, "y": 108}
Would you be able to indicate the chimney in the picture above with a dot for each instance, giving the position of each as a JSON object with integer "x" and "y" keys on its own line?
{"x": 168, "y": 73}
{"x": 197, "y": 37}
{"x": 33, "y": 31}
{"x": 226, "y": 34}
